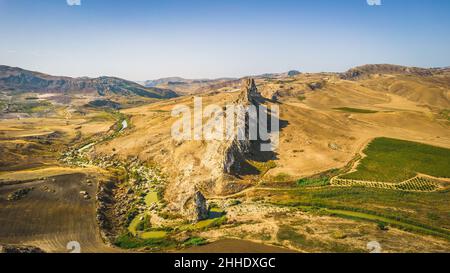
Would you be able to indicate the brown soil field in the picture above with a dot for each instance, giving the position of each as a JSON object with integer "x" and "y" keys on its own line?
{"x": 52, "y": 214}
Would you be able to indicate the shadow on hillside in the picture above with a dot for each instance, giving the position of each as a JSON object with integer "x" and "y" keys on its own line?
{"x": 256, "y": 160}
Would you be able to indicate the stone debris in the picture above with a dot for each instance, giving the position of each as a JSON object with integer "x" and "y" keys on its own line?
{"x": 19, "y": 194}
{"x": 334, "y": 146}
{"x": 85, "y": 195}
{"x": 19, "y": 249}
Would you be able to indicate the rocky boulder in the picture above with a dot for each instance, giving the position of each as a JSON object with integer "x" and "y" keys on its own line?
{"x": 196, "y": 208}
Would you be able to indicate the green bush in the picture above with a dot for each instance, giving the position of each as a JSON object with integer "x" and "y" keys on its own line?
{"x": 195, "y": 241}
{"x": 313, "y": 182}
{"x": 128, "y": 241}
{"x": 301, "y": 97}
{"x": 382, "y": 226}
{"x": 131, "y": 215}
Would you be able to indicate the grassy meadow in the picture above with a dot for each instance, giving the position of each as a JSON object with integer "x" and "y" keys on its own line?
{"x": 393, "y": 160}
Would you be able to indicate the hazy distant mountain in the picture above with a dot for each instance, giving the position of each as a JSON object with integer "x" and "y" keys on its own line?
{"x": 153, "y": 83}
{"x": 293, "y": 73}
{"x": 290, "y": 73}
{"x": 364, "y": 71}
{"x": 15, "y": 79}
{"x": 192, "y": 86}
{"x": 182, "y": 81}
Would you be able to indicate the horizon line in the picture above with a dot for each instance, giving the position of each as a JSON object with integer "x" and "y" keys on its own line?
{"x": 221, "y": 77}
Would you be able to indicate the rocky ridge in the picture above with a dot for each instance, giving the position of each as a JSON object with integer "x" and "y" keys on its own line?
{"x": 365, "y": 71}
{"x": 17, "y": 80}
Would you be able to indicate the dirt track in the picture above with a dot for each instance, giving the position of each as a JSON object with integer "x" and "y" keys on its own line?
{"x": 236, "y": 246}
{"x": 52, "y": 214}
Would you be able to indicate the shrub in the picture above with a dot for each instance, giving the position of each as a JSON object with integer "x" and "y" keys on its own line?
{"x": 301, "y": 97}
{"x": 128, "y": 241}
{"x": 195, "y": 241}
{"x": 313, "y": 182}
{"x": 382, "y": 226}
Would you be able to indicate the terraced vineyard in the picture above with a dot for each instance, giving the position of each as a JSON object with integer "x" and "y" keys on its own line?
{"x": 416, "y": 184}
{"x": 395, "y": 160}
{"x": 399, "y": 165}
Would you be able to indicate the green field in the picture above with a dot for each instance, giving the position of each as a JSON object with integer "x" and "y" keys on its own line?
{"x": 393, "y": 160}
{"x": 153, "y": 235}
{"x": 151, "y": 198}
{"x": 208, "y": 223}
{"x": 133, "y": 228}
{"x": 414, "y": 207}
{"x": 314, "y": 182}
{"x": 355, "y": 110}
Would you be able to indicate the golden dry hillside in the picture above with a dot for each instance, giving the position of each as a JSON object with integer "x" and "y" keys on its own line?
{"x": 324, "y": 127}
{"x": 318, "y": 191}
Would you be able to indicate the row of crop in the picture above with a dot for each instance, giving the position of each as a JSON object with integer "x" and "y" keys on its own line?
{"x": 417, "y": 184}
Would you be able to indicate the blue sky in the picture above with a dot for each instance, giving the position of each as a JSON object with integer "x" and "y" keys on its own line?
{"x": 147, "y": 39}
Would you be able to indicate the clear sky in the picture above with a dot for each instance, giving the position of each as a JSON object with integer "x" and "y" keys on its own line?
{"x": 148, "y": 39}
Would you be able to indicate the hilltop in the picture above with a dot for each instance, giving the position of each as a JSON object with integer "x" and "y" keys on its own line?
{"x": 194, "y": 86}
{"x": 17, "y": 80}
{"x": 364, "y": 71}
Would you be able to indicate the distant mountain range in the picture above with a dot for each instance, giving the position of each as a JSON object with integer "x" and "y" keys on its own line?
{"x": 365, "y": 71}
{"x": 182, "y": 81}
{"x": 17, "y": 80}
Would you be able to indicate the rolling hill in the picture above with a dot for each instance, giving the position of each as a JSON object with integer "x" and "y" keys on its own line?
{"x": 193, "y": 86}
{"x": 17, "y": 80}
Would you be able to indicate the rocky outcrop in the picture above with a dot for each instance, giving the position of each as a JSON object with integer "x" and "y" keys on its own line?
{"x": 249, "y": 93}
{"x": 195, "y": 207}
{"x": 105, "y": 201}
{"x": 19, "y": 194}
{"x": 316, "y": 85}
{"x": 237, "y": 149}
{"x": 14, "y": 249}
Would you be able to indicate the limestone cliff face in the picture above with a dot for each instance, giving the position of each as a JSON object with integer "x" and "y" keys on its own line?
{"x": 236, "y": 150}
{"x": 225, "y": 157}
{"x": 220, "y": 161}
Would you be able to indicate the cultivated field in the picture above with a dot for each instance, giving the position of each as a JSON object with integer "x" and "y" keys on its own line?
{"x": 393, "y": 160}
{"x": 52, "y": 214}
